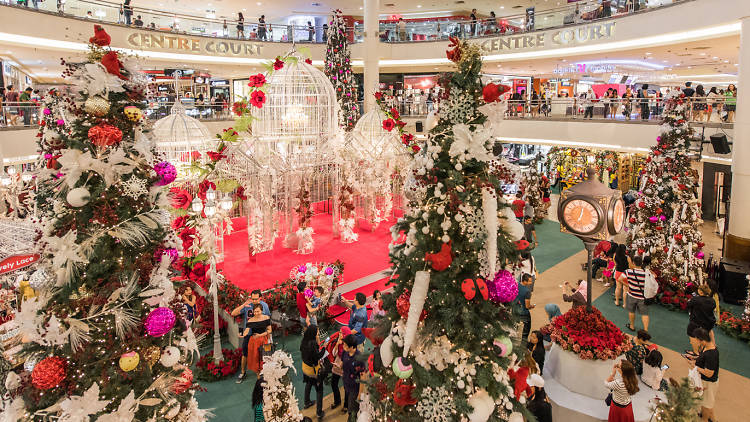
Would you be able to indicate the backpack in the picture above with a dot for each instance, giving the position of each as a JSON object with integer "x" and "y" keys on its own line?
{"x": 650, "y": 286}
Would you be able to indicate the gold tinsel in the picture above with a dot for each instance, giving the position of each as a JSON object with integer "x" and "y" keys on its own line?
{"x": 152, "y": 355}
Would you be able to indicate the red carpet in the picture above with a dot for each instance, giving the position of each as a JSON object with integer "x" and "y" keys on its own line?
{"x": 362, "y": 258}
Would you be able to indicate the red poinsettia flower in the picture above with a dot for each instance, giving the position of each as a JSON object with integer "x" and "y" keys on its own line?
{"x": 198, "y": 273}
{"x": 187, "y": 236}
{"x": 179, "y": 222}
{"x": 257, "y": 81}
{"x": 101, "y": 37}
{"x": 491, "y": 93}
{"x": 195, "y": 156}
{"x": 258, "y": 98}
{"x": 241, "y": 193}
{"x": 378, "y": 96}
{"x": 394, "y": 113}
{"x": 180, "y": 198}
{"x": 400, "y": 123}
{"x": 389, "y": 124}
{"x": 215, "y": 156}
{"x": 203, "y": 188}
{"x": 454, "y": 55}
{"x": 308, "y": 61}
{"x": 240, "y": 107}
{"x": 113, "y": 65}
{"x": 407, "y": 138}
{"x": 278, "y": 64}
{"x": 415, "y": 148}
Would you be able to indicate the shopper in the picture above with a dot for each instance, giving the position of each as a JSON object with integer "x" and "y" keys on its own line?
{"x": 11, "y": 101}
{"x": 701, "y": 314}
{"x": 713, "y": 101}
{"x": 653, "y": 371}
{"x": 700, "y": 105}
{"x": 639, "y": 350}
{"x": 27, "y": 106}
{"x": 627, "y": 102}
{"x": 377, "y": 304}
{"x": 635, "y": 299}
{"x": 644, "y": 98}
{"x": 708, "y": 366}
{"x": 262, "y": 27}
{"x": 258, "y": 400}
{"x": 518, "y": 206}
{"x": 358, "y": 317}
{"x": 576, "y": 295}
{"x": 335, "y": 354}
{"x": 623, "y": 383}
{"x": 536, "y": 347}
{"x": 259, "y": 331}
{"x": 590, "y": 97}
{"x": 537, "y": 402}
{"x": 128, "y": 11}
{"x": 248, "y": 307}
{"x": 302, "y": 303}
{"x": 353, "y": 367}
{"x": 401, "y": 26}
{"x": 313, "y": 305}
{"x": 730, "y": 101}
{"x": 492, "y": 23}
{"x": 599, "y": 260}
{"x": 529, "y": 230}
{"x": 688, "y": 90}
{"x": 311, "y": 368}
{"x": 240, "y": 26}
{"x": 310, "y": 32}
{"x": 523, "y": 305}
{"x": 621, "y": 265}
{"x": 473, "y": 22}
{"x": 325, "y": 32}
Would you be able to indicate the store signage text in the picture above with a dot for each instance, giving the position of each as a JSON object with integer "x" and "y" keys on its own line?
{"x": 558, "y": 38}
{"x": 584, "y": 68}
{"x": 16, "y": 262}
{"x": 196, "y": 45}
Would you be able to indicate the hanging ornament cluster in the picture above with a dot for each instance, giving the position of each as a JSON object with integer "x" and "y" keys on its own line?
{"x": 470, "y": 288}
{"x": 403, "y": 304}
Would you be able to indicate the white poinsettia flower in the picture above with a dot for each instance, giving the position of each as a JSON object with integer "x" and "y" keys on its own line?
{"x": 467, "y": 144}
{"x": 94, "y": 79}
{"x": 79, "y": 408}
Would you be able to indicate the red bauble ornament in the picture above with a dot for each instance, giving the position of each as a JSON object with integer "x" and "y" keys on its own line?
{"x": 632, "y": 220}
{"x": 402, "y": 306}
{"x": 678, "y": 237}
{"x": 640, "y": 251}
{"x": 441, "y": 260}
{"x": 49, "y": 373}
{"x": 641, "y": 204}
{"x": 659, "y": 210}
{"x": 104, "y": 135}
{"x": 402, "y": 394}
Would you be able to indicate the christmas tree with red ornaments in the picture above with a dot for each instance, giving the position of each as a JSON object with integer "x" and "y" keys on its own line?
{"x": 446, "y": 351}
{"x": 338, "y": 68}
{"x": 105, "y": 337}
{"x": 666, "y": 218}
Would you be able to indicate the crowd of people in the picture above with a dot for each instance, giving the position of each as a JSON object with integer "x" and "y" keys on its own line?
{"x": 19, "y": 108}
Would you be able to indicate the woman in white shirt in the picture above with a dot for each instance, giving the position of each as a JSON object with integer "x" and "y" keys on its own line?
{"x": 653, "y": 373}
{"x": 624, "y": 383}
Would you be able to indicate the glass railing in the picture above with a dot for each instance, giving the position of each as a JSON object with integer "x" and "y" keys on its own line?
{"x": 432, "y": 29}
{"x": 700, "y": 110}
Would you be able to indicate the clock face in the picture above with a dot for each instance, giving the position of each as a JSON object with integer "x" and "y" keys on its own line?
{"x": 580, "y": 216}
{"x": 618, "y": 216}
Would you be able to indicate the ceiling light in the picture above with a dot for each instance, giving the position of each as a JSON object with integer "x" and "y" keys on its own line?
{"x": 716, "y": 58}
{"x": 419, "y": 6}
{"x": 663, "y": 61}
{"x": 726, "y": 61}
{"x": 649, "y": 53}
{"x": 703, "y": 54}
{"x": 259, "y": 4}
{"x": 360, "y": 7}
{"x": 502, "y": 7}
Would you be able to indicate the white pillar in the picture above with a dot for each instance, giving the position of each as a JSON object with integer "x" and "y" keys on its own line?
{"x": 738, "y": 239}
{"x": 371, "y": 52}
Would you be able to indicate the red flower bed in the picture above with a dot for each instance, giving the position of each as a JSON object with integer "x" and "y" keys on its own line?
{"x": 735, "y": 327}
{"x": 589, "y": 334}
{"x": 207, "y": 370}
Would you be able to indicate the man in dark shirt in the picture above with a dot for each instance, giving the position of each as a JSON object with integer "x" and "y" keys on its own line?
{"x": 244, "y": 309}
{"x": 302, "y": 303}
{"x": 707, "y": 364}
{"x": 523, "y": 305}
{"x": 138, "y": 21}
{"x": 688, "y": 91}
{"x": 352, "y": 368}
{"x": 473, "y": 18}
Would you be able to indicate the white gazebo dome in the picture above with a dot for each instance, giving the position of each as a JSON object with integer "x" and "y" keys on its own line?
{"x": 300, "y": 108}
{"x": 178, "y": 136}
{"x": 373, "y": 143}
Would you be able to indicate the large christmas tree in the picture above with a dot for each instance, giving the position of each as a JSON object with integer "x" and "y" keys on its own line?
{"x": 667, "y": 213}
{"x": 338, "y": 68}
{"x": 447, "y": 348}
{"x": 105, "y": 337}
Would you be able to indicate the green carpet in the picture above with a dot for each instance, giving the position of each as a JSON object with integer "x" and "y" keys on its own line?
{"x": 668, "y": 329}
{"x": 554, "y": 246}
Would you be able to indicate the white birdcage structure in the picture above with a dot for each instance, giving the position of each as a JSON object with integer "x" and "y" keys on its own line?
{"x": 376, "y": 158}
{"x": 181, "y": 138}
{"x": 292, "y": 141}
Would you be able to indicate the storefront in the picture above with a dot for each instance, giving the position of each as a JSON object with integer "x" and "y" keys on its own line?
{"x": 220, "y": 89}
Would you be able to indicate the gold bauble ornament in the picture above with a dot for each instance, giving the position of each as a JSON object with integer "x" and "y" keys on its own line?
{"x": 152, "y": 355}
{"x": 133, "y": 113}
{"x": 129, "y": 361}
{"x": 96, "y": 105}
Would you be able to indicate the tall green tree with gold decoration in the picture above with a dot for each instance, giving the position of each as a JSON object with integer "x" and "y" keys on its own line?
{"x": 105, "y": 337}
{"x": 446, "y": 352}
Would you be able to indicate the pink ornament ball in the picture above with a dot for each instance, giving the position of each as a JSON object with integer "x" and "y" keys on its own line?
{"x": 653, "y": 219}
{"x": 662, "y": 217}
{"x": 47, "y": 112}
{"x": 302, "y": 269}
{"x": 159, "y": 322}
{"x": 700, "y": 255}
{"x": 329, "y": 271}
{"x": 166, "y": 172}
{"x": 503, "y": 288}
{"x": 308, "y": 293}
{"x": 60, "y": 122}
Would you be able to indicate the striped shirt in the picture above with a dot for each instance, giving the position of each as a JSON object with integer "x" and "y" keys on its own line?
{"x": 619, "y": 392}
{"x": 636, "y": 282}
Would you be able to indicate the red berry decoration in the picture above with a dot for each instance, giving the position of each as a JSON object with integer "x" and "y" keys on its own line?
{"x": 49, "y": 373}
{"x": 104, "y": 135}
{"x": 403, "y": 304}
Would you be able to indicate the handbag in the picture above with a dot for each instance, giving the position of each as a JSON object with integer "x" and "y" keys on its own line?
{"x": 266, "y": 349}
{"x": 608, "y": 400}
{"x": 311, "y": 371}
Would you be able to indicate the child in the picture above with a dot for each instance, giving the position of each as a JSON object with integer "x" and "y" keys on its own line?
{"x": 352, "y": 368}
{"x": 258, "y": 400}
{"x": 313, "y": 306}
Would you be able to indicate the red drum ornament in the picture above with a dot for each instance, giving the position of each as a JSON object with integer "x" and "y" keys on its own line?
{"x": 49, "y": 373}
{"x": 104, "y": 135}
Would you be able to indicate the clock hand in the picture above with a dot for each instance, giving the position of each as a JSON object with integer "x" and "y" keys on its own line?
{"x": 581, "y": 215}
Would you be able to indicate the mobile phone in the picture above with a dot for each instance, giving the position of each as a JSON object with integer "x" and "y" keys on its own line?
{"x": 328, "y": 339}
{"x": 665, "y": 367}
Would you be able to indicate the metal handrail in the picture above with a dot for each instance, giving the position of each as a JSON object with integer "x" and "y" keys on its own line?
{"x": 412, "y": 31}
